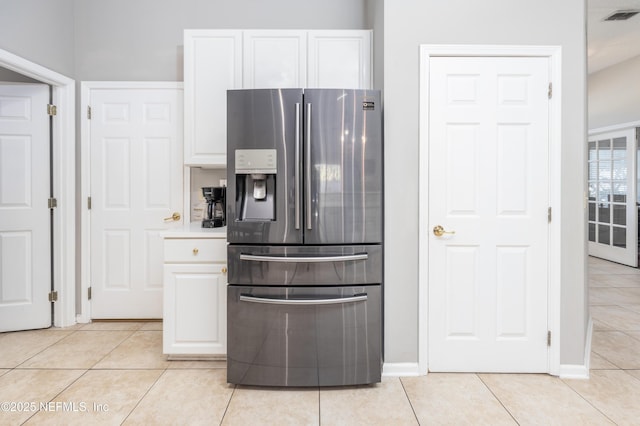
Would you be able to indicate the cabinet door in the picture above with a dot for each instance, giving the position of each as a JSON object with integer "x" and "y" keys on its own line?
{"x": 340, "y": 59}
{"x": 212, "y": 65}
{"x": 195, "y": 309}
{"x": 275, "y": 59}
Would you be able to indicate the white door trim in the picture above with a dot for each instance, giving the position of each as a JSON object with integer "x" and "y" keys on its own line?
{"x": 554, "y": 53}
{"x": 64, "y": 182}
{"x": 85, "y": 191}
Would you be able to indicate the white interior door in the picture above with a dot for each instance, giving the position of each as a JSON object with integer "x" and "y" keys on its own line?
{"x": 488, "y": 183}
{"x": 25, "y": 251}
{"x": 613, "y": 219}
{"x": 136, "y": 183}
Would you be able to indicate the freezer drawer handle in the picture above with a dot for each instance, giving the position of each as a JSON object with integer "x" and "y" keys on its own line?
{"x": 290, "y": 259}
{"x": 357, "y": 298}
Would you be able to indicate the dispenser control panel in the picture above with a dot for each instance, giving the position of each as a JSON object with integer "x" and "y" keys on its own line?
{"x": 256, "y": 175}
{"x": 256, "y": 161}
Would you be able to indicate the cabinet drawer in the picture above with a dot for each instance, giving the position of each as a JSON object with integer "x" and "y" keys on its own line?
{"x": 196, "y": 250}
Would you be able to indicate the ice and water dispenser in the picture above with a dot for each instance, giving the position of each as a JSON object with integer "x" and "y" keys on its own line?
{"x": 255, "y": 171}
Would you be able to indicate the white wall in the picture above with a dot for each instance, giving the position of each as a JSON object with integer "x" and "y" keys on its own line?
{"x": 374, "y": 10}
{"x": 40, "y": 31}
{"x": 8, "y": 75}
{"x": 614, "y": 94}
{"x": 409, "y": 23}
{"x": 142, "y": 39}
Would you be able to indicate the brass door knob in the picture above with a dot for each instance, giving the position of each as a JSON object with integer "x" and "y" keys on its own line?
{"x": 439, "y": 231}
{"x": 174, "y": 217}
{"x": 224, "y": 270}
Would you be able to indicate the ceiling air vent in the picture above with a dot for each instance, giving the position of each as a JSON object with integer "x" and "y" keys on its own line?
{"x": 621, "y": 15}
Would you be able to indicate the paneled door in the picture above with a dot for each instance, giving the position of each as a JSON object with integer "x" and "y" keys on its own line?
{"x": 488, "y": 214}
{"x": 136, "y": 193}
{"x": 25, "y": 228}
{"x": 613, "y": 216}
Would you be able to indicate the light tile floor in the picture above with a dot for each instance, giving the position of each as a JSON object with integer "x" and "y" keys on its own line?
{"x": 115, "y": 373}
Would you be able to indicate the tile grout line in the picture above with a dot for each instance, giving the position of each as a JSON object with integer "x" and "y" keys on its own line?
{"x": 61, "y": 391}
{"x": 226, "y": 408}
{"x": 409, "y": 400}
{"x": 497, "y": 399}
{"x": 114, "y": 348}
{"x": 606, "y": 359}
{"x": 626, "y": 333}
{"x": 44, "y": 349}
{"x": 86, "y": 370}
{"x": 144, "y": 395}
{"x": 587, "y": 401}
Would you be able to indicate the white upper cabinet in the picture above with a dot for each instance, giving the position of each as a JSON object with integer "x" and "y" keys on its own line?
{"x": 339, "y": 59}
{"x": 274, "y": 59}
{"x": 212, "y": 65}
{"x": 218, "y": 60}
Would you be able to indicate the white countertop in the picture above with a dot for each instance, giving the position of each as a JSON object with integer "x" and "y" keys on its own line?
{"x": 195, "y": 230}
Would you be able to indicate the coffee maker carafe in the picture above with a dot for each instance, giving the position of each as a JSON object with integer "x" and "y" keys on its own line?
{"x": 216, "y": 206}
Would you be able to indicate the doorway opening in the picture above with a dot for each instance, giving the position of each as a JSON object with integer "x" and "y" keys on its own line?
{"x": 63, "y": 181}
{"x": 612, "y": 181}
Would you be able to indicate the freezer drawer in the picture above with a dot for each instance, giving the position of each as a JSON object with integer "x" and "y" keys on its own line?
{"x": 304, "y": 336}
{"x": 305, "y": 265}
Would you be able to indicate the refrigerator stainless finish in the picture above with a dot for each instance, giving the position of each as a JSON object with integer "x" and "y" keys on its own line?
{"x": 304, "y": 226}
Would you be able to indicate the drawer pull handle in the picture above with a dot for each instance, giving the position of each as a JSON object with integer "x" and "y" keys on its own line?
{"x": 305, "y": 259}
{"x": 195, "y": 251}
{"x": 307, "y": 302}
{"x": 224, "y": 270}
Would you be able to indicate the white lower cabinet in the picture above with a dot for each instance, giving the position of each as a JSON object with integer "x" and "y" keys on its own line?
{"x": 195, "y": 297}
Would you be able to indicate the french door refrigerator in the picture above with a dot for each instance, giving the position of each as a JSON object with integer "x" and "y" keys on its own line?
{"x": 305, "y": 227}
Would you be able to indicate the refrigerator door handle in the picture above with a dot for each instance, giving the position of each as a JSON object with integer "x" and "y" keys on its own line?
{"x": 315, "y": 259}
{"x": 297, "y": 179}
{"x": 308, "y": 164}
{"x": 304, "y": 302}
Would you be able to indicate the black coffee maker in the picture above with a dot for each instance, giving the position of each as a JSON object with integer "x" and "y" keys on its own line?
{"x": 216, "y": 197}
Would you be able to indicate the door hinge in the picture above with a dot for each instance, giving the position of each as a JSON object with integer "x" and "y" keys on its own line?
{"x": 53, "y": 296}
{"x": 550, "y": 92}
{"x": 52, "y": 110}
{"x": 89, "y": 203}
{"x": 549, "y": 338}
{"x": 52, "y": 203}
{"x": 89, "y": 293}
{"x": 88, "y": 112}
{"x": 549, "y": 215}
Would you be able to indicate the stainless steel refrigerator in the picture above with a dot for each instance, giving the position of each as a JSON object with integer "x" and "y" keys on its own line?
{"x": 305, "y": 228}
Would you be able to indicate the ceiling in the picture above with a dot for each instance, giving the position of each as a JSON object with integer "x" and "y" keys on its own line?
{"x": 611, "y": 42}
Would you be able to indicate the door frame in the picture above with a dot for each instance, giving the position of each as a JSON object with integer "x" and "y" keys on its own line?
{"x": 554, "y": 54}
{"x": 85, "y": 191}
{"x": 64, "y": 182}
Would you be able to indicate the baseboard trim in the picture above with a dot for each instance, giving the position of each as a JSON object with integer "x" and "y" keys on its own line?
{"x": 400, "y": 369}
{"x": 570, "y": 371}
{"x": 82, "y": 319}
